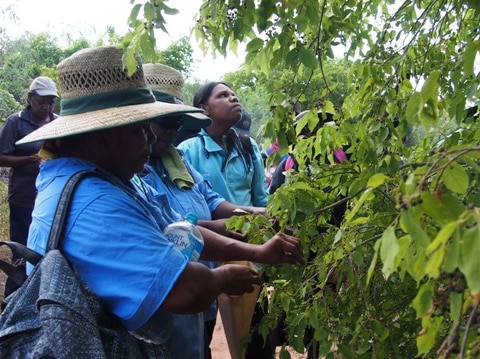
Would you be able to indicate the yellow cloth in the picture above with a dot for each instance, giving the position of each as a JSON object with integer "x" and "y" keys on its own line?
{"x": 176, "y": 169}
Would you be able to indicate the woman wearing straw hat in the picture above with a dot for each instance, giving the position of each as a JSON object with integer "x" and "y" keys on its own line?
{"x": 111, "y": 237}
{"x": 168, "y": 172}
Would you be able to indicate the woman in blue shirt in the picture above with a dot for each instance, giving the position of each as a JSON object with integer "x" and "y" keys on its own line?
{"x": 229, "y": 161}
{"x": 168, "y": 172}
{"x": 232, "y": 163}
{"x": 112, "y": 238}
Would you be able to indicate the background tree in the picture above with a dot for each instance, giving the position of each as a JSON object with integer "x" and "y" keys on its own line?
{"x": 178, "y": 55}
{"x": 405, "y": 257}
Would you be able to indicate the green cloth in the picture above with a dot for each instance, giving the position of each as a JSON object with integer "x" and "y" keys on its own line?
{"x": 176, "y": 169}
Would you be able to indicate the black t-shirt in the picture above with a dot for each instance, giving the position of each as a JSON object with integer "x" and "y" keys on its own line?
{"x": 21, "y": 185}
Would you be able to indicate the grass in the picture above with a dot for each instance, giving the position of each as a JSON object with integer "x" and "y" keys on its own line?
{"x": 4, "y": 251}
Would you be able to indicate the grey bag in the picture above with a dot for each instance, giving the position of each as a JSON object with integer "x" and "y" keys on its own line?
{"x": 55, "y": 315}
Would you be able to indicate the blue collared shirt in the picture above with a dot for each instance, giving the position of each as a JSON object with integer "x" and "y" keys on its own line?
{"x": 112, "y": 238}
{"x": 230, "y": 177}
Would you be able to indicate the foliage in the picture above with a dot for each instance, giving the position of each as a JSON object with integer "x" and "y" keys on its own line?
{"x": 256, "y": 90}
{"x": 23, "y": 59}
{"x": 178, "y": 55}
{"x": 29, "y": 56}
{"x": 399, "y": 277}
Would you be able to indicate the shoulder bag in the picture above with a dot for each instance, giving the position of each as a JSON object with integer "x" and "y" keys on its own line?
{"x": 54, "y": 314}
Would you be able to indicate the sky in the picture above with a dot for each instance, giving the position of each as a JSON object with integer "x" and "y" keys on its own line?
{"x": 90, "y": 18}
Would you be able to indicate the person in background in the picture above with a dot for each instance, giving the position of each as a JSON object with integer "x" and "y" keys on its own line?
{"x": 23, "y": 160}
{"x": 243, "y": 126}
{"x": 112, "y": 238}
{"x": 168, "y": 172}
{"x": 232, "y": 164}
{"x": 288, "y": 162}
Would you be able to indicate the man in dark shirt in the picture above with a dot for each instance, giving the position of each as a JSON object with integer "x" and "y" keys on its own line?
{"x": 23, "y": 160}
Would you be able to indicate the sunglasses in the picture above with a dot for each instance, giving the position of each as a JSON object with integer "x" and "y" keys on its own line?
{"x": 171, "y": 122}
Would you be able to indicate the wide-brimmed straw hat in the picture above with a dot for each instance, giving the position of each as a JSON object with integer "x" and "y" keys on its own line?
{"x": 97, "y": 93}
{"x": 167, "y": 86}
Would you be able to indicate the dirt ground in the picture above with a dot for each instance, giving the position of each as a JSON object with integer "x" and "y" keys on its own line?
{"x": 219, "y": 344}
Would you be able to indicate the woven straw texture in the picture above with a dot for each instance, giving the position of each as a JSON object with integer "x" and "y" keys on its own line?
{"x": 164, "y": 79}
{"x": 167, "y": 80}
{"x": 100, "y": 71}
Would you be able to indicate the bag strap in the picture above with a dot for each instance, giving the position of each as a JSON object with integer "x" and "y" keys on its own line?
{"x": 21, "y": 251}
{"x": 16, "y": 274}
{"x": 57, "y": 228}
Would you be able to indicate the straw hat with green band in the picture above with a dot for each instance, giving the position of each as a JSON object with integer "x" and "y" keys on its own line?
{"x": 167, "y": 86}
{"x": 97, "y": 93}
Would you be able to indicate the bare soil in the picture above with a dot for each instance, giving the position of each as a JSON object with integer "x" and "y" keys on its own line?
{"x": 219, "y": 344}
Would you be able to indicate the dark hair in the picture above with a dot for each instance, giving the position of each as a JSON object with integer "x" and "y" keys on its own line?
{"x": 203, "y": 93}
{"x": 234, "y": 139}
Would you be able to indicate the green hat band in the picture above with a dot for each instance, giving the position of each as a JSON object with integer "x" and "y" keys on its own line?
{"x": 103, "y": 101}
{"x": 165, "y": 97}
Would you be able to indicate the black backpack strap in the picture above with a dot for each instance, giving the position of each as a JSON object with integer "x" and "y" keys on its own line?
{"x": 17, "y": 274}
{"x": 21, "y": 251}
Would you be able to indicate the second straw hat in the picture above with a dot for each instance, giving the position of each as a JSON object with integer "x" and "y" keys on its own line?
{"x": 97, "y": 93}
{"x": 167, "y": 85}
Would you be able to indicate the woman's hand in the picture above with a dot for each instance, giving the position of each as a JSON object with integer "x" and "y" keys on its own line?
{"x": 281, "y": 248}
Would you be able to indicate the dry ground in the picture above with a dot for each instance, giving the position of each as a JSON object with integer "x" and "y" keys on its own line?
{"x": 219, "y": 344}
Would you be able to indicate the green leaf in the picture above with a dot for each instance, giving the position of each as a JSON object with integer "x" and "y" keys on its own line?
{"x": 388, "y": 251}
{"x": 452, "y": 255}
{"x": 255, "y": 45}
{"x": 442, "y": 236}
{"x": 470, "y": 263}
{"x": 426, "y": 340}
{"x": 308, "y": 59}
{"x": 373, "y": 263}
{"x": 366, "y": 196}
{"x": 434, "y": 262}
{"x": 134, "y": 13}
{"x": 430, "y": 87}
{"x": 404, "y": 243}
{"x": 377, "y": 180}
{"x": 381, "y": 331}
{"x": 148, "y": 11}
{"x": 410, "y": 225}
{"x": 423, "y": 300}
{"x": 413, "y": 108}
{"x": 455, "y": 178}
{"x": 456, "y": 303}
{"x": 444, "y": 208}
{"x": 469, "y": 57}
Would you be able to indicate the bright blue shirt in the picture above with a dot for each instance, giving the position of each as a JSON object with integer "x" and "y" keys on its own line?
{"x": 230, "y": 177}
{"x": 187, "y": 339}
{"x": 111, "y": 238}
{"x": 200, "y": 199}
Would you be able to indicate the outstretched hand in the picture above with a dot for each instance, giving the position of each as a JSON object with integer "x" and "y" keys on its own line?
{"x": 281, "y": 248}
{"x": 237, "y": 279}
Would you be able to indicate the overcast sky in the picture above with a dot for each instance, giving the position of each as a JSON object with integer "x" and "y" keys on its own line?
{"x": 90, "y": 18}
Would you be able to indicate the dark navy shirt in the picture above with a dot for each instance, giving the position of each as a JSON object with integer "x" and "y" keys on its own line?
{"x": 21, "y": 185}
